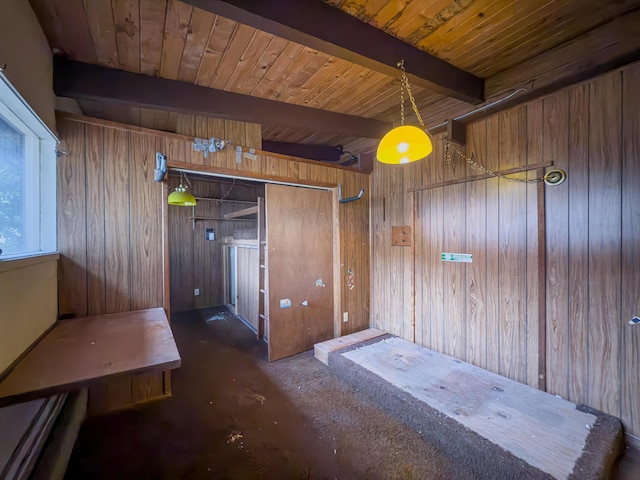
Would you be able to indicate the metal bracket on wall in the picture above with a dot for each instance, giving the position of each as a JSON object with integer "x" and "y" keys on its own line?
{"x": 350, "y": 199}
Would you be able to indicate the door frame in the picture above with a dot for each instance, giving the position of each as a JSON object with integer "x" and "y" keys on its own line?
{"x": 255, "y": 177}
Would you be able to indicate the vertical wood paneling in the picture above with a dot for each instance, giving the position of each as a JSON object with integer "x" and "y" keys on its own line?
{"x": 132, "y": 235}
{"x": 578, "y": 186}
{"x": 116, "y": 267}
{"x": 535, "y": 255}
{"x": 96, "y": 286}
{"x": 604, "y": 243}
{"x": 557, "y": 207}
{"x": 436, "y": 239}
{"x": 146, "y": 228}
{"x": 116, "y": 220}
{"x": 512, "y": 247}
{"x": 573, "y": 264}
{"x": 476, "y": 245}
{"x": 454, "y": 240}
{"x": 631, "y": 250}
{"x": 72, "y": 233}
{"x": 492, "y": 258}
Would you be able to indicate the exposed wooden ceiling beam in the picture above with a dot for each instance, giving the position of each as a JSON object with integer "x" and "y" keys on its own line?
{"x": 322, "y": 153}
{"x": 320, "y": 26}
{"x": 83, "y": 81}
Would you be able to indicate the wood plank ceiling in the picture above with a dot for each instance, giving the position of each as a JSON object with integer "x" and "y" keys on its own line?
{"x": 489, "y": 39}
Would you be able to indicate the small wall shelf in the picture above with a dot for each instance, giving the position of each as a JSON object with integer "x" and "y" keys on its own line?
{"x": 243, "y": 213}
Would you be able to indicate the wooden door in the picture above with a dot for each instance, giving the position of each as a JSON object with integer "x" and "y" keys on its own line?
{"x": 299, "y": 225}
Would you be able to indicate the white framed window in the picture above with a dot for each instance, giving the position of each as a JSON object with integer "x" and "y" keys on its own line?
{"x": 27, "y": 178}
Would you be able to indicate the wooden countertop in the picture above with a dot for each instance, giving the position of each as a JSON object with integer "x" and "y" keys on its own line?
{"x": 79, "y": 351}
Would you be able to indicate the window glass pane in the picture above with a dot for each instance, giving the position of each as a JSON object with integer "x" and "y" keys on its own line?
{"x": 12, "y": 181}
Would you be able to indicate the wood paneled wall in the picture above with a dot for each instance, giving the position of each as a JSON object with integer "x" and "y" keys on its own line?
{"x": 195, "y": 261}
{"x": 587, "y": 240}
{"x": 354, "y": 216}
{"x": 110, "y": 232}
{"x": 110, "y": 236}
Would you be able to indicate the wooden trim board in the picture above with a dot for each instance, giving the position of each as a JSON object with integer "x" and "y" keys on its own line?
{"x": 322, "y": 350}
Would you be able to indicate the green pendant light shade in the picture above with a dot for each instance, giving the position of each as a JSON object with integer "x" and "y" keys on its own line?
{"x": 181, "y": 196}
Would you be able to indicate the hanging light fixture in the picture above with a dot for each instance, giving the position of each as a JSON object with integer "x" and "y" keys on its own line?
{"x": 405, "y": 143}
{"x": 181, "y": 196}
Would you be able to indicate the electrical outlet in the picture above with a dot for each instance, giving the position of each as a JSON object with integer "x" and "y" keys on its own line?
{"x": 345, "y": 317}
{"x": 196, "y": 292}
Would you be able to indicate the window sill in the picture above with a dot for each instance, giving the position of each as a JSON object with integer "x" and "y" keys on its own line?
{"x": 22, "y": 262}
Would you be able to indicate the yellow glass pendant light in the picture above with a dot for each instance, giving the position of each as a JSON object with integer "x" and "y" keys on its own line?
{"x": 406, "y": 143}
{"x": 181, "y": 196}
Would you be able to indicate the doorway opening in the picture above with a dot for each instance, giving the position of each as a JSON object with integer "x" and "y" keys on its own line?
{"x": 264, "y": 250}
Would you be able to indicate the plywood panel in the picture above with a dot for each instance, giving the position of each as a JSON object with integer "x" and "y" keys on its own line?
{"x": 578, "y": 186}
{"x": 95, "y": 195}
{"x": 605, "y": 242}
{"x": 557, "y": 205}
{"x": 492, "y": 236}
{"x": 512, "y": 238}
{"x": 454, "y": 274}
{"x": 146, "y": 230}
{"x": 476, "y": 282}
{"x": 535, "y": 252}
{"x": 630, "y": 353}
{"x": 117, "y": 222}
{"x": 99, "y": 18}
{"x": 588, "y": 348}
{"x": 247, "y": 289}
{"x": 436, "y": 239}
{"x": 126, "y": 15}
{"x": 72, "y": 232}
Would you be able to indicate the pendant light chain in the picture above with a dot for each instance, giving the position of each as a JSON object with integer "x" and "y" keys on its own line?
{"x": 447, "y": 155}
{"x": 405, "y": 85}
{"x": 183, "y": 177}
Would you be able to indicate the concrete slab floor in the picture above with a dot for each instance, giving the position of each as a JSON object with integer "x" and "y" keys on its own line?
{"x": 236, "y": 416}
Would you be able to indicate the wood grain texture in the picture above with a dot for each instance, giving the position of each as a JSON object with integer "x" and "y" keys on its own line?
{"x": 248, "y": 284}
{"x": 300, "y": 239}
{"x": 99, "y": 18}
{"x": 492, "y": 238}
{"x": 512, "y": 248}
{"x": 584, "y": 300}
{"x": 630, "y": 353}
{"x": 95, "y": 203}
{"x": 78, "y": 351}
{"x": 535, "y": 253}
{"x": 476, "y": 245}
{"x": 578, "y": 186}
{"x": 146, "y": 229}
{"x": 72, "y": 232}
{"x": 117, "y": 211}
{"x": 557, "y": 206}
{"x": 126, "y": 16}
{"x": 605, "y": 177}
{"x": 140, "y": 208}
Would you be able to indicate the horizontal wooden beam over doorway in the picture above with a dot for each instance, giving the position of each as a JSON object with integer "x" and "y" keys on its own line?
{"x": 83, "y": 81}
{"x": 323, "y": 27}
